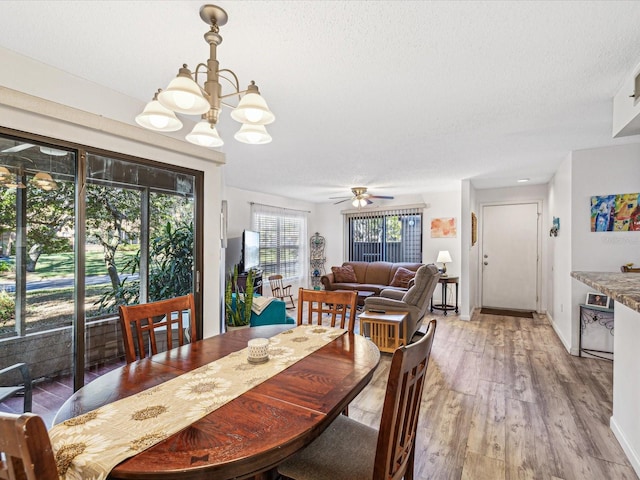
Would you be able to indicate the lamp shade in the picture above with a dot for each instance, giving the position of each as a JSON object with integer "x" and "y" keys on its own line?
{"x": 5, "y": 174}
{"x": 183, "y": 95}
{"x": 444, "y": 256}
{"x": 253, "y": 134}
{"x": 205, "y": 135}
{"x": 253, "y": 110}
{"x": 159, "y": 118}
{"x": 44, "y": 181}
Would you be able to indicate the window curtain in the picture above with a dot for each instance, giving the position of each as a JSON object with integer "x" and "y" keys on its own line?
{"x": 393, "y": 235}
{"x": 283, "y": 243}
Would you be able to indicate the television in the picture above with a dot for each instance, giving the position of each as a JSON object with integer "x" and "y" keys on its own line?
{"x": 250, "y": 254}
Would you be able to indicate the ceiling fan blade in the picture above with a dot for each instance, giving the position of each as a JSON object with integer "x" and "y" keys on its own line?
{"x": 381, "y": 196}
{"x": 369, "y": 202}
{"x": 341, "y": 201}
{"x": 340, "y": 197}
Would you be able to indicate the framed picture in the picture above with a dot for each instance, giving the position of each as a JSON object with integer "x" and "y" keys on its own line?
{"x": 599, "y": 300}
{"x": 474, "y": 229}
{"x": 443, "y": 227}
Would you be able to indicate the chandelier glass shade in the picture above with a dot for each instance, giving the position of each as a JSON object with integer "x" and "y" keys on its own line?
{"x": 205, "y": 134}
{"x": 157, "y": 117}
{"x": 185, "y": 95}
{"x": 253, "y": 134}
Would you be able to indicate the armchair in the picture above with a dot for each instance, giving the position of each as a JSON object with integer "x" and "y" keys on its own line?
{"x": 25, "y": 388}
{"x": 415, "y": 300}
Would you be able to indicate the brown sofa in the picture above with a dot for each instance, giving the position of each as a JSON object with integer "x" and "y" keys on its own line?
{"x": 370, "y": 276}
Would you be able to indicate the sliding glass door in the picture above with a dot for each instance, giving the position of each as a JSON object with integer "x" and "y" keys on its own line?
{"x": 82, "y": 232}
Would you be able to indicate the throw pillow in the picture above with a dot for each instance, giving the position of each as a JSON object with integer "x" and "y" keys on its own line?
{"x": 402, "y": 277}
{"x": 344, "y": 274}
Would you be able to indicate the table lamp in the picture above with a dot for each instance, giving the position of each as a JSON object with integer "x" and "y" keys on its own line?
{"x": 444, "y": 258}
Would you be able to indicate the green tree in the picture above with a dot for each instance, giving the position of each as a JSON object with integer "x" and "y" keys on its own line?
{"x": 113, "y": 217}
{"x": 170, "y": 269}
{"x": 49, "y": 213}
{"x": 171, "y": 262}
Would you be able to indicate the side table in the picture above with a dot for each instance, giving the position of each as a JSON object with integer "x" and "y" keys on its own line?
{"x": 444, "y": 306}
{"x": 590, "y": 314}
{"x": 384, "y": 329}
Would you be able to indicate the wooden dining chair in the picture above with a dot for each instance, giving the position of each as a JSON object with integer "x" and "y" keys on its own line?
{"x": 25, "y": 448}
{"x": 141, "y": 323}
{"x": 364, "y": 452}
{"x": 327, "y": 307}
{"x": 279, "y": 290}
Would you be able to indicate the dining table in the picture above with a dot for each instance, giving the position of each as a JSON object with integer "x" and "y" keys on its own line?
{"x": 251, "y": 434}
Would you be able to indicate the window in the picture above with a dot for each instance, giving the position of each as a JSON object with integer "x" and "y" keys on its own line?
{"x": 283, "y": 234}
{"x": 390, "y": 235}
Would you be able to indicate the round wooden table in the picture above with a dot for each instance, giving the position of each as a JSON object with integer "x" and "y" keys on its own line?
{"x": 251, "y": 434}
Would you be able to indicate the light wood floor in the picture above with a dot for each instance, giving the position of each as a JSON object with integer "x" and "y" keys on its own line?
{"x": 504, "y": 400}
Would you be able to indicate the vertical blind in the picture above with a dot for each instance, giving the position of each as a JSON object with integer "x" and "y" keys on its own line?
{"x": 385, "y": 235}
{"x": 283, "y": 234}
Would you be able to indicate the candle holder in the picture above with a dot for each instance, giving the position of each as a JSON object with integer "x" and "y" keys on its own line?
{"x": 258, "y": 350}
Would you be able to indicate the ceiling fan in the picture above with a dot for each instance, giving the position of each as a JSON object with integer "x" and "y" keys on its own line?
{"x": 360, "y": 197}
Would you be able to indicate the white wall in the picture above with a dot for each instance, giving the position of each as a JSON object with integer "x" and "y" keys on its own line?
{"x": 603, "y": 171}
{"x": 598, "y": 171}
{"x": 558, "y": 263}
{"x": 469, "y": 274}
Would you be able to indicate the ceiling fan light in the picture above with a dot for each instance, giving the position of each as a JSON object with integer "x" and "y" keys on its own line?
{"x": 53, "y": 151}
{"x": 253, "y": 110}
{"x": 205, "y": 135}
{"x": 253, "y": 134}
{"x": 183, "y": 95}
{"x": 157, "y": 117}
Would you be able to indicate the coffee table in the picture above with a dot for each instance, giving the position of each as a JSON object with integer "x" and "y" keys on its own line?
{"x": 384, "y": 329}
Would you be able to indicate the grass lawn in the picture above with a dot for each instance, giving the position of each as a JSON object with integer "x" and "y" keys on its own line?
{"x": 59, "y": 265}
{"x": 53, "y": 307}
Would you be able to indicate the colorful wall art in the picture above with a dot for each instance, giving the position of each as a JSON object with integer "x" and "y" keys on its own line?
{"x": 615, "y": 213}
{"x": 443, "y": 227}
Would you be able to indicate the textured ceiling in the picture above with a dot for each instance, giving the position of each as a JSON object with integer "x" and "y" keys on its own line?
{"x": 402, "y": 97}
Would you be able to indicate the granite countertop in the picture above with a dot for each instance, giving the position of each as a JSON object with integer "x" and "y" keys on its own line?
{"x": 622, "y": 287}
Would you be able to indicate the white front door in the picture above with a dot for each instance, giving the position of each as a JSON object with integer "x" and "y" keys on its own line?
{"x": 510, "y": 256}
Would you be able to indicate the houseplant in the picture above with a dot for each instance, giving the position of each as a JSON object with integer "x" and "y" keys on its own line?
{"x": 238, "y": 312}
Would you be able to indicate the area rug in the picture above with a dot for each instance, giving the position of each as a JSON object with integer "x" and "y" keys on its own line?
{"x": 507, "y": 313}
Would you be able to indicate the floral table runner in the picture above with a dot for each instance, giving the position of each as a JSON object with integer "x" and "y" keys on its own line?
{"x": 90, "y": 445}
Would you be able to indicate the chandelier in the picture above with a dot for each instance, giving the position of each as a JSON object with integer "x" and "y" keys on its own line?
{"x": 185, "y": 95}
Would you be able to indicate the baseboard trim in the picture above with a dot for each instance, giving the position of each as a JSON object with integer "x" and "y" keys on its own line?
{"x": 632, "y": 455}
{"x": 566, "y": 344}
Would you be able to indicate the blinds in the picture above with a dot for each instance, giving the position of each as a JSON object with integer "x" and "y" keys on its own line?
{"x": 283, "y": 234}
{"x": 387, "y": 235}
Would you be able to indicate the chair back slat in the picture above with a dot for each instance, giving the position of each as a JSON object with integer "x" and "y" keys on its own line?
{"x": 321, "y": 307}
{"x": 150, "y": 319}
{"x": 395, "y": 451}
{"x": 25, "y": 448}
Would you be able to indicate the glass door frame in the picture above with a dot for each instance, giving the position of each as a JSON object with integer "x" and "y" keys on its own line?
{"x": 78, "y": 324}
